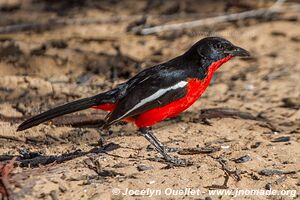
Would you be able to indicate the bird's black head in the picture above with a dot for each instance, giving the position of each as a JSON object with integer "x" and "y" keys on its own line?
{"x": 215, "y": 48}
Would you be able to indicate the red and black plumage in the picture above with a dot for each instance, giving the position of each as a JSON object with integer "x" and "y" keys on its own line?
{"x": 156, "y": 93}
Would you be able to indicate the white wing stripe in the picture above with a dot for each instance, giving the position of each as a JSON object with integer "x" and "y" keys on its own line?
{"x": 156, "y": 95}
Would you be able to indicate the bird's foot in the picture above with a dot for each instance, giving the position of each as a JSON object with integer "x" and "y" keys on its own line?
{"x": 166, "y": 149}
{"x": 172, "y": 149}
{"x": 173, "y": 162}
{"x": 178, "y": 162}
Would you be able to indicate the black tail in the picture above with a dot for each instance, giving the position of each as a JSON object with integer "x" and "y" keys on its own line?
{"x": 81, "y": 104}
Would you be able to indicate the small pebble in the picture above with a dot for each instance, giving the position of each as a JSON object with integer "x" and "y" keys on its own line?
{"x": 150, "y": 182}
{"x": 278, "y": 33}
{"x": 144, "y": 168}
{"x": 249, "y": 87}
{"x": 243, "y": 159}
{"x": 268, "y": 186}
{"x": 225, "y": 147}
{"x": 271, "y": 172}
{"x": 282, "y": 139}
{"x": 254, "y": 146}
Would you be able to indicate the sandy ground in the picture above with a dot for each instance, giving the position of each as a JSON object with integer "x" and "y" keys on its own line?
{"x": 43, "y": 68}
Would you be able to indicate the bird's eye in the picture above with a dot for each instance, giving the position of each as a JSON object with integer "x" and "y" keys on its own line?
{"x": 219, "y": 46}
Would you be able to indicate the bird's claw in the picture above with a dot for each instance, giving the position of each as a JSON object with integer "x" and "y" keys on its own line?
{"x": 179, "y": 162}
{"x": 172, "y": 149}
{"x": 173, "y": 162}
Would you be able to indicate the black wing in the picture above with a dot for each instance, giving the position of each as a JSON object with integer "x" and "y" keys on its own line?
{"x": 152, "y": 88}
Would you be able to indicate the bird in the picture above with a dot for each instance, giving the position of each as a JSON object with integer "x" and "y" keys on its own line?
{"x": 156, "y": 93}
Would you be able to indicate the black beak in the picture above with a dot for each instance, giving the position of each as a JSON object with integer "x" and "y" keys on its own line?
{"x": 238, "y": 51}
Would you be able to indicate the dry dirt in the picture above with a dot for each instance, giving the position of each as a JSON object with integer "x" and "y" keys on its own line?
{"x": 48, "y": 66}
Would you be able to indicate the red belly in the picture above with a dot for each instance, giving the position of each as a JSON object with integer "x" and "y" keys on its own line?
{"x": 195, "y": 90}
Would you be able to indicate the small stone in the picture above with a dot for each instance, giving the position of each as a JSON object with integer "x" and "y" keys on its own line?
{"x": 254, "y": 146}
{"x": 249, "y": 87}
{"x": 144, "y": 168}
{"x": 268, "y": 186}
{"x": 150, "y": 182}
{"x": 278, "y": 33}
{"x": 282, "y": 139}
{"x": 225, "y": 147}
{"x": 243, "y": 159}
{"x": 271, "y": 172}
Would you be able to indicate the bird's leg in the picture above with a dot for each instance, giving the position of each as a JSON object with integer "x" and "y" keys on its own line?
{"x": 166, "y": 149}
{"x": 148, "y": 134}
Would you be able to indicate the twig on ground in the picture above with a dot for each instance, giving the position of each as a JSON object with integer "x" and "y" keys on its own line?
{"x": 263, "y": 12}
{"x": 6, "y": 137}
{"x": 44, "y": 160}
{"x": 228, "y": 172}
{"x": 235, "y": 174}
{"x": 31, "y": 26}
{"x": 227, "y": 112}
{"x": 54, "y": 23}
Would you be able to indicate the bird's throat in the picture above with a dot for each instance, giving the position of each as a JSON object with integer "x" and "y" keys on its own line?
{"x": 212, "y": 68}
{"x": 215, "y": 65}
